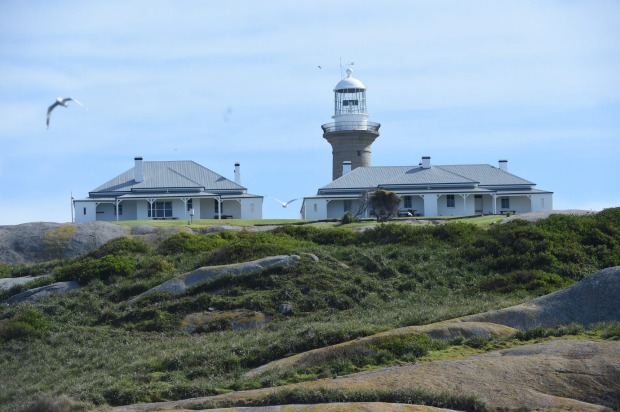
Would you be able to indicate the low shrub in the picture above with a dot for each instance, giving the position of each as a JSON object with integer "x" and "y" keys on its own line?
{"x": 55, "y": 404}
{"x": 106, "y": 269}
{"x": 540, "y": 332}
{"x": 320, "y": 236}
{"x": 410, "y": 396}
{"x": 348, "y": 217}
{"x": 407, "y": 347}
{"x": 611, "y": 330}
{"x": 530, "y": 280}
{"x": 191, "y": 243}
{"x": 476, "y": 342}
{"x": 121, "y": 246}
{"x": 247, "y": 246}
{"x": 30, "y": 323}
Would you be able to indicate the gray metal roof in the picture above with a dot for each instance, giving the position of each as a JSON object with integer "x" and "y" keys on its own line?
{"x": 161, "y": 175}
{"x": 487, "y": 175}
{"x": 430, "y": 176}
{"x": 366, "y": 177}
{"x": 436, "y": 176}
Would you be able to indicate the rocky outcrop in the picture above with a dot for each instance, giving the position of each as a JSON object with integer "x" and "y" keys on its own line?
{"x": 43, "y": 241}
{"x": 8, "y": 283}
{"x": 42, "y": 292}
{"x": 441, "y": 330}
{"x": 555, "y": 375}
{"x": 595, "y": 299}
{"x": 213, "y": 321}
{"x": 592, "y": 300}
{"x": 181, "y": 283}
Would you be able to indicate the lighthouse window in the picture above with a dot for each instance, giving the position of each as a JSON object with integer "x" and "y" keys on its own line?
{"x": 350, "y": 102}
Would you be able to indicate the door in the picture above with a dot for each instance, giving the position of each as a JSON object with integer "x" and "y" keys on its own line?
{"x": 478, "y": 203}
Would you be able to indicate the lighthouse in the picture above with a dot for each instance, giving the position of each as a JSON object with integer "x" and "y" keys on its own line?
{"x": 350, "y": 134}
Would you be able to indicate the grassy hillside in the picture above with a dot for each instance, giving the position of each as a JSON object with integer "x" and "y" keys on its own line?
{"x": 93, "y": 346}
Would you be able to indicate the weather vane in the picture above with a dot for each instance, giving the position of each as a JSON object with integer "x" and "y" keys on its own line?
{"x": 342, "y": 67}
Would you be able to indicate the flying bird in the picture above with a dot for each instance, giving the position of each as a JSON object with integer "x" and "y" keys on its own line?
{"x": 59, "y": 102}
{"x": 284, "y": 204}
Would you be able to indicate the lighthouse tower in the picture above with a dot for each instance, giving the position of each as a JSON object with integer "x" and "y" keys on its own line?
{"x": 351, "y": 134}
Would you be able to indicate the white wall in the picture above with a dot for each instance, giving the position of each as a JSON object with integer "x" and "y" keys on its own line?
{"x": 315, "y": 209}
{"x": 84, "y": 212}
{"x": 543, "y": 201}
{"x": 520, "y": 204}
{"x": 252, "y": 208}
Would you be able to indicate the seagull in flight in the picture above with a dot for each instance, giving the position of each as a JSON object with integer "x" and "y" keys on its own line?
{"x": 60, "y": 101}
{"x": 284, "y": 204}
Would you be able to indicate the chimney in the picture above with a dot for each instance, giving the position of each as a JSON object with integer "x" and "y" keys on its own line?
{"x": 346, "y": 167}
{"x": 137, "y": 170}
{"x": 503, "y": 165}
{"x": 237, "y": 173}
{"x": 426, "y": 162}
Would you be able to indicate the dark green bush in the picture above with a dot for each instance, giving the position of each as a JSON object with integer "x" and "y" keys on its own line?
{"x": 396, "y": 234}
{"x": 191, "y": 243}
{"x": 320, "y": 236}
{"x": 30, "y": 323}
{"x": 476, "y": 342}
{"x": 612, "y": 331}
{"x": 247, "y": 246}
{"x": 121, "y": 246}
{"x": 408, "y": 347}
{"x": 348, "y": 217}
{"x": 456, "y": 233}
{"x": 531, "y": 280}
{"x": 540, "y": 332}
{"x": 105, "y": 269}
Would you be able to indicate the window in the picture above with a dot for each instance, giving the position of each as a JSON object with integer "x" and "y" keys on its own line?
{"x": 189, "y": 205}
{"x": 120, "y": 209}
{"x": 316, "y": 207}
{"x": 84, "y": 210}
{"x": 347, "y": 205}
{"x": 252, "y": 207}
{"x": 505, "y": 203}
{"x": 450, "y": 201}
{"x": 217, "y": 206}
{"x": 161, "y": 209}
{"x": 407, "y": 200}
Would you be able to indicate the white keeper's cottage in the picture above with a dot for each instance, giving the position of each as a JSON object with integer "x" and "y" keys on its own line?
{"x": 425, "y": 189}
{"x": 180, "y": 189}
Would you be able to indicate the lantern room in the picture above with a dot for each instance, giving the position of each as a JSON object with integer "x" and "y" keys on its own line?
{"x": 350, "y": 99}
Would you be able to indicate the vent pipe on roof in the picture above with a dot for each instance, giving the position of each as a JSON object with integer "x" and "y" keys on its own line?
{"x": 503, "y": 165}
{"x": 346, "y": 167}
{"x": 137, "y": 170}
{"x": 426, "y": 162}
{"x": 237, "y": 173}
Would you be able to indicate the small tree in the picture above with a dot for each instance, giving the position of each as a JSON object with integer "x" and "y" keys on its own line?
{"x": 348, "y": 217}
{"x": 362, "y": 203}
{"x": 384, "y": 204}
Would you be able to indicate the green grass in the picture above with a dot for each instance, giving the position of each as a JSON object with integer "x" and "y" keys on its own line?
{"x": 200, "y": 223}
{"x": 94, "y": 347}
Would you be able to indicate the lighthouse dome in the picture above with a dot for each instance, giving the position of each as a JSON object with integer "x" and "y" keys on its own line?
{"x": 349, "y": 82}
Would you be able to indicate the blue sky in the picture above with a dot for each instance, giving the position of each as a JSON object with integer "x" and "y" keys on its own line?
{"x": 533, "y": 82}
